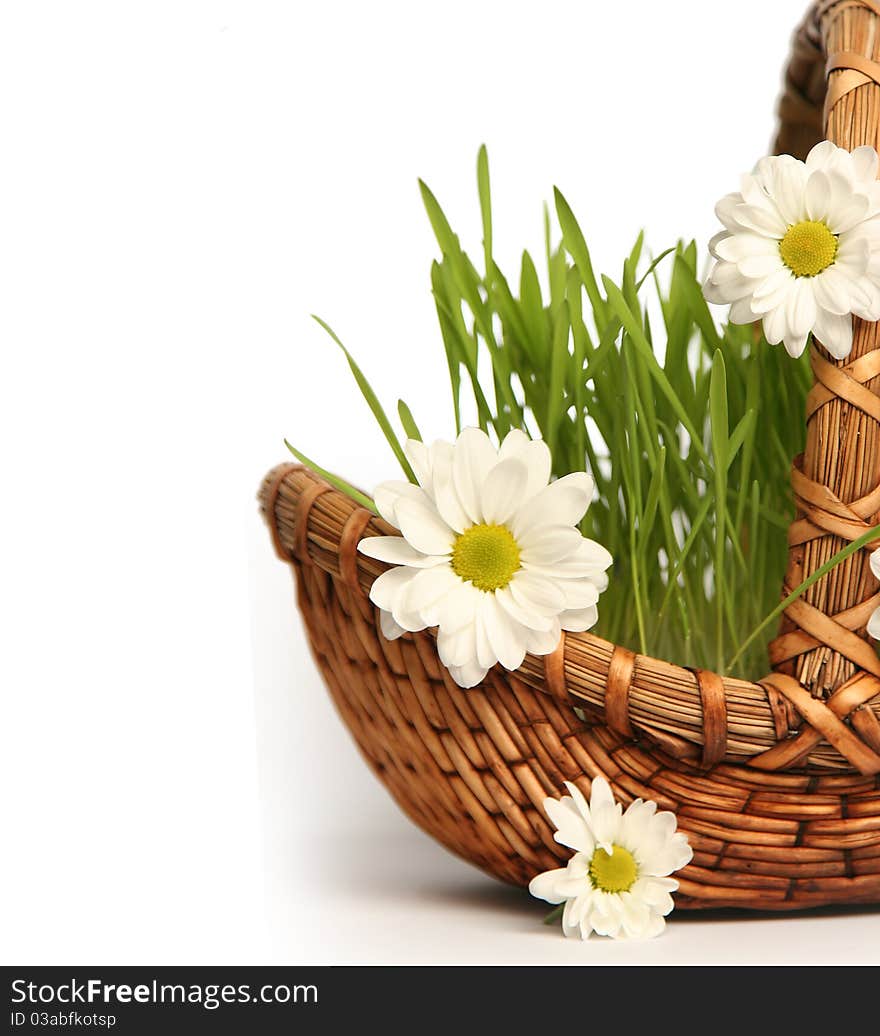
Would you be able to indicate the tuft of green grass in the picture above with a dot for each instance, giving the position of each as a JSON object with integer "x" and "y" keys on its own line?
{"x": 688, "y": 429}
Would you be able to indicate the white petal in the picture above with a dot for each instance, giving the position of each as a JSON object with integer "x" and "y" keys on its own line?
{"x": 795, "y": 343}
{"x": 410, "y": 622}
{"x": 580, "y": 802}
{"x": 423, "y": 527}
{"x": 761, "y": 219}
{"x": 846, "y": 209}
{"x": 485, "y": 654}
{"x": 635, "y": 824}
{"x": 606, "y": 914}
{"x": 729, "y": 277}
{"x": 469, "y": 675}
{"x": 636, "y": 916}
{"x": 716, "y": 294}
{"x": 572, "y": 830}
{"x": 725, "y": 210}
{"x": 579, "y": 620}
{"x": 394, "y": 550}
{"x": 504, "y": 490}
{"x": 456, "y": 610}
{"x": 789, "y": 180}
{"x": 547, "y": 544}
{"x": 529, "y": 619}
{"x": 387, "y": 495}
{"x": 575, "y": 924}
{"x": 754, "y": 266}
{"x": 571, "y": 919}
{"x": 773, "y": 291}
{"x": 656, "y": 893}
{"x": 563, "y": 502}
{"x": 817, "y": 195}
{"x": 540, "y": 642}
{"x": 513, "y": 444}
{"x": 390, "y": 629}
{"x": 832, "y": 291}
{"x": 577, "y": 872}
{"x": 388, "y": 587}
{"x": 457, "y": 648}
{"x": 578, "y": 594}
{"x": 572, "y": 568}
{"x": 741, "y": 312}
{"x": 783, "y": 278}
{"x": 419, "y": 458}
{"x": 821, "y": 155}
{"x": 543, "y": 886}
{"x": 866, "y": 301}
{"x": 424, "y": 593}
{"x": 853, "y": 254}
{"x": 864, "y": 162}
{"x": 874, "y": 562}
{"x": 775, "y": 326}
{"x": 835, "y": 333}
{"x": 474, "y": 458}
{"x": 444, "y": 492}
{"x": 800, "y": 307}
{"x": 506, "y": 637}
{"x": 662, "y": 850}
{"x": 448, "y": 504}
{"x": 739, "y": 247}
{"x": 535, "y": 454}
{"x": 592, "y": 554}
{"x": 605, "y": 814}
{"x": 536, "y": 594}
{"x": 874, "y": 624}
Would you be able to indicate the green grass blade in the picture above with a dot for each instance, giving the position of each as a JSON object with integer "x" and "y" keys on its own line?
{"x": 718, "y": 419}
{"x": 373, "y": 403}
{"x": 334, "y": 480}
{"x": 576, "y": 246}
{"x": 632, "y": 325}
{"x": 556, "y": 395}
{"x": 823, "y": 570}
{"x": 485, "y": 193}
{"x": 408, "y": 421}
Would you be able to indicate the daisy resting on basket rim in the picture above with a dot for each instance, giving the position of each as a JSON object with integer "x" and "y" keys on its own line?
{"x": 800, "y": 249}
{"x": 617, "y": 883}
{"x": 489, "y": 552}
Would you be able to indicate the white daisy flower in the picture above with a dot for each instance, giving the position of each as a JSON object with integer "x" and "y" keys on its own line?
{"x": 489, "y": 553}
{"x": 800, "y": 249}
{"x": 617, "y": 883}
{"x": 874, "y": 621}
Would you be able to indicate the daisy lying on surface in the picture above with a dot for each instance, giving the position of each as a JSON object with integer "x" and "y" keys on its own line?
{"x": 800, "y": 249}
{"x": 617, "y": 883}
{"x": 490, "y": 553}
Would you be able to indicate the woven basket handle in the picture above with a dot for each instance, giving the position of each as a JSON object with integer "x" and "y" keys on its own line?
{"x": 833, "y": 54}
{"x": 831, "y": 90}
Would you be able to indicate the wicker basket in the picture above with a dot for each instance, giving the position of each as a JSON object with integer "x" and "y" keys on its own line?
{"x": 776, "y": 782}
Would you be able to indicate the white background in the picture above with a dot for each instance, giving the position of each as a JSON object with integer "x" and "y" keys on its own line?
{"x": 183, "y": 183}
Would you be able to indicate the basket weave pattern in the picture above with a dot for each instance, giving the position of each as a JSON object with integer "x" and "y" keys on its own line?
{"x": 775, "y": 783}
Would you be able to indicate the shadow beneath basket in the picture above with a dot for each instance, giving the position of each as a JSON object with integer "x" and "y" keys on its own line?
{"x": 400, "y": 863}
{"x": 739, "y": 915}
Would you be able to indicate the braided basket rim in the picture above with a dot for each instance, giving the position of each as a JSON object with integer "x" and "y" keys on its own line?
{"x": 691, "y": 714}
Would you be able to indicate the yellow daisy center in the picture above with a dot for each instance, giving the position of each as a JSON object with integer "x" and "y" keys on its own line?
{"x": 616, "y": 872}
{"x": 486, "y": 555}
{"x": 808, "y": 248}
